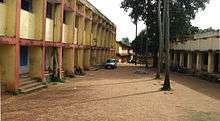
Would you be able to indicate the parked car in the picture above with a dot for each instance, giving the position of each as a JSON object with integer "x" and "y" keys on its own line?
{"x": 111, "y": 64}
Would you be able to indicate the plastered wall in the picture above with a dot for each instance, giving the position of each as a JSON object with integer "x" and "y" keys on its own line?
{"x": 212, "y": 43}
{"x": 49, "y": 29}
{"x": 27, "y": 25}
{"x": 3, "y": 9}
{"x": 65, "y": 33}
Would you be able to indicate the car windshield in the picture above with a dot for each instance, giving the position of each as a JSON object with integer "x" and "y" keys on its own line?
{"x": 110, "y": 61}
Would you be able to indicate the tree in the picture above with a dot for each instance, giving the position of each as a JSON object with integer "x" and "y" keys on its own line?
{"x": 126, "y": 41}
{"x": 166, "y": 85}
{"x": 160, "y": 41}
{"x": 181, "y": 13}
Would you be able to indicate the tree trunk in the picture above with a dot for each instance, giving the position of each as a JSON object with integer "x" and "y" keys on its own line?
{"x": 166, "y": 85}
{"x": 160, "y": 41}
{"x": 56, "y": 72}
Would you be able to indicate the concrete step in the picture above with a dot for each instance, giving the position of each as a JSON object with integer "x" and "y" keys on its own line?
{"x": 24, "y": 75}
{"x": 35, "y": 88}
{"x": 31, "y": 86}
{"x": 28, "y": 82}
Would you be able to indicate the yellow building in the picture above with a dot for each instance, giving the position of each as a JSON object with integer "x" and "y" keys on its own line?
{"x": 37, "y": 34}
{"x": 123, "y": 52}
{"x": 200, "y": 53}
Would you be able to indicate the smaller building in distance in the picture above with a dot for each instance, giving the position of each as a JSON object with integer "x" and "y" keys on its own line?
{"x": 200, "y": 53}
{"x": 124, "y": 53}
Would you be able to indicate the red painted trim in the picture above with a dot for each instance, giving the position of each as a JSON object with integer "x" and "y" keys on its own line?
{"x": 79, "y": 13}
{"x": 17, "y": 46}
{"x": 28, "y": 42}
{"x": 69, "y": 8}
{"x": 53, "y": 44}
{"x": 43, "y": 63}
{"x": 44, "y": 37}
{"x": 60, "y": 59}
{"x": 51, "y": 55}
{"x": 66, "y": 45}
{"x": 8, "y": 40}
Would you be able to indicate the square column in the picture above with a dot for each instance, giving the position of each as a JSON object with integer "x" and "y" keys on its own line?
{"x": 181, "y": 62}
{"x": 86, "y": 59}
{"x": 211, "y": 62}
{"x": 199, "y": 61}
{"x": 189, "y": 60}
{"x": 174, "y": 59}
{"x": 68, "y": 61}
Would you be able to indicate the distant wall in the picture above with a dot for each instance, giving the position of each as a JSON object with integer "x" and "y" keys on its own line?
{"x": 3, "y": 9}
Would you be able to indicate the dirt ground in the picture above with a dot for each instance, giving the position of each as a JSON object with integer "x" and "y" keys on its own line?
{"x": 117, "y": 95}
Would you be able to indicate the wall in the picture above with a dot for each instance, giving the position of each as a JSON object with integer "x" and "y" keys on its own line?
{"x": 65, "y": 33}
{"x": 35, "y": 57}
{"x": 27, "y": 25}
{"x": 3, "y": 8}
{"x": 212, "y": 43}
{"x": 49, "y": 29}
{"x": 75, "y": 36}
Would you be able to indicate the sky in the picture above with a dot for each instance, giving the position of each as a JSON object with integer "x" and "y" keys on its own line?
{"x": 210, "y": 17}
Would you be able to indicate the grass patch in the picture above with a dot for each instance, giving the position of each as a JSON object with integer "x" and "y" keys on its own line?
{"x": 56, "y": 80}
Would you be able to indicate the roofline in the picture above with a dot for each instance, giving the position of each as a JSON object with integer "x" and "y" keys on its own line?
{"x": 95, "y": 10}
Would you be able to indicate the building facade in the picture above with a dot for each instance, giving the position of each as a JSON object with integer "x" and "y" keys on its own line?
{"x": 36, "y": 34}
{"x": 123, "y": 52}
{"x": 200, "y": 53}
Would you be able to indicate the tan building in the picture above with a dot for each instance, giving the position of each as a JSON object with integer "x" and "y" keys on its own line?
{"x": 37, "y": 34}
{"x": 123, "y": 52}
{"x": 199, "y": 53}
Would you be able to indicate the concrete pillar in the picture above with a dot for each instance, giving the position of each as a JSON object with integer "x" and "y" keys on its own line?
{"x": 99, "y": 36}
{"x": 58, "y": 22}
{"x": 81, "y": 38}
{"x": 181, "y": 62}
{"x": 211, "y": 56}
{"x": 199, "y": 61}
{"x": 68, "y": 61}
{"x": 35, "y": 57}
{"x": 175, "y": 58}
{"x": 80, "y": 53}
{"x": 189, "y": 60}
{"x": 86, "y": 63}
{"x": 99, "y": 56}
{"x": 8, "y": 67}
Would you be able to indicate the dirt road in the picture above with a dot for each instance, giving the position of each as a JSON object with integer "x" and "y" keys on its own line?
{"x": 117, "y": 95}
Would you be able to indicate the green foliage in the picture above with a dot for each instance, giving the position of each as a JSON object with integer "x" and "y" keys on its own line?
{"x": 181, "y": 13}
{"x": 126, "y": 41}
{"x": 56, "y": 79}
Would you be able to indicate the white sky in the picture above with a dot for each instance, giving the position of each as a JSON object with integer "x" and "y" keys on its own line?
{"x": 210, "y": 17}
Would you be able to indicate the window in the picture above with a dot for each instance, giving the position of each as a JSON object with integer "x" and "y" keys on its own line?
{"x": 49, "y": 10}
{"x": 26, "y": 5}
{"x": 205, "y": 59}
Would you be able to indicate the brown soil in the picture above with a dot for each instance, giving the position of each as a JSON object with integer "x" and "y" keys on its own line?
{"x": 117, "y": 95}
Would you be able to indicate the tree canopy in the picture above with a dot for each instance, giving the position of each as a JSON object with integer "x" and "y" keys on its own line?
{"x": 126, "y": 41}
{"x": 181, "y": 14}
